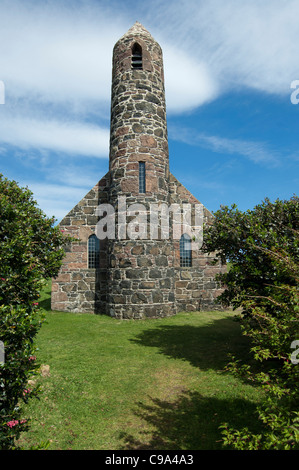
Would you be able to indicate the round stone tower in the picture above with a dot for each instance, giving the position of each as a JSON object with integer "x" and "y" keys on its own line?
{"x": 141, "y": 272}
{"x": 138, "y": 116}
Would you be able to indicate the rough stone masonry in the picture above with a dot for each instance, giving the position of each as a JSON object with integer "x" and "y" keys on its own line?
{"x": 136, "y": 275}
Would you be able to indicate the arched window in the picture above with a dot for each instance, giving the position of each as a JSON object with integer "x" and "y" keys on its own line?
{"x": 136, "y": 56}
{"x": 93, "y": 252}
{"x": 185, "y": 251}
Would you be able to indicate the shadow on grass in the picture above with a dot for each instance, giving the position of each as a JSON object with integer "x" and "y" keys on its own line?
{"x": 45, "y": 304}
{"x": 45, "y": 297}
{"x": 190, "y": 423}
{"x": 206, "y": 347}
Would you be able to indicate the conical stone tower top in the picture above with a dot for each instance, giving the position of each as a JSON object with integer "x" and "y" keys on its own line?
{"x": 137, "y": 30}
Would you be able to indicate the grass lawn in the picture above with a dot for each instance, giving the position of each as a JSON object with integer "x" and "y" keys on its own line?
{"x": 145, "y": 384}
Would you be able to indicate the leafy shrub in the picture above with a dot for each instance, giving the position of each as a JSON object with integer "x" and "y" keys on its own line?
{"x": 244, "y": 239}
{"x": 262, "y": 248}
{"x": 271, "y": 338}
{"x": 18, "y": 329}
{"x": 31, "y": 250}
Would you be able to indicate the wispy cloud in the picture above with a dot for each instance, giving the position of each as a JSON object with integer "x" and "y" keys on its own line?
{"x": 53, "y": 52}
{"x": 188, "y": 83}
{"x": 61, "y": 197}
{"x": 75, "y": 138}
{"x": 63, "y": 186}
{"x": 257, "y": 152}
{"x": 251, "y": 44}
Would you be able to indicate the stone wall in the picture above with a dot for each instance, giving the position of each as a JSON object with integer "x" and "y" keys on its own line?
{"x": 195, "y": 286}
{"x": 136, "y": 278}
{"x": 77, "y": 288}
{"x": 141, "y": 282}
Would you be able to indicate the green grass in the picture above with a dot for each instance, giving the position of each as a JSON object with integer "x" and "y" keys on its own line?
{"x": 147, "y": 384}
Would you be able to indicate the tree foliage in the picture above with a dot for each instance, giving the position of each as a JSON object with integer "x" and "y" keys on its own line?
{"x": 246, "y": 239}
{"x": 262, "y": 248}
{"x": 31, "y": 250}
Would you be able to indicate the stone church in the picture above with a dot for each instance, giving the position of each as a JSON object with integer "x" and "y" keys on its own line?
{"x": 135, "y": 270}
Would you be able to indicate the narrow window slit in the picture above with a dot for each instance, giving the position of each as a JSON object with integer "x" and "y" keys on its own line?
{"x": 142, "y": 177}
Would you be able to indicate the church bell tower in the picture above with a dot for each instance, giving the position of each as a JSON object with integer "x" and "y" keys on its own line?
{"x": 141, "y": 273}
{"x": 138, "y": 132}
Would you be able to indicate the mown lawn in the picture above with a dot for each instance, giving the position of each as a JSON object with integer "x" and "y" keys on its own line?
{"x": 152, "y": 384}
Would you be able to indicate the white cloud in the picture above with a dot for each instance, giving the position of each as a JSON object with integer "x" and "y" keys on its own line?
{"x": 254, "y": 151}
{"x": 56, "y": 199}
{"x": 257, "y": 152}
{"x": 188, "y": 84}
{"x": 54, "y": 54}
{"x": 250, "y": 43}
{"x": 75, "y": 138}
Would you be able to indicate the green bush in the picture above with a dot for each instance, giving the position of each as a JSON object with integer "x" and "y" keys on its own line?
{"x": 244, "y": 239}
{"x": 31, "y": 250}
{"x": 18, "y": 329}
{"x": 262, "y": 247}
{"x": 271, "y": 338}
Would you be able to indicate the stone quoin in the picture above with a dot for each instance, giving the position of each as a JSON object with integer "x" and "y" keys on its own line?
{"x": 142, "y": 273}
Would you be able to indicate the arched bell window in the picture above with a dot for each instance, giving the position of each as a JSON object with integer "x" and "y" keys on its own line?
{"x": 93, "y": 252}
{"x": 136, "y": 56}
{"x": 185, "y": 251}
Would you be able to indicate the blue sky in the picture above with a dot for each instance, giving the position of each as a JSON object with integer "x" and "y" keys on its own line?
{"x": 229, "y": 65}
